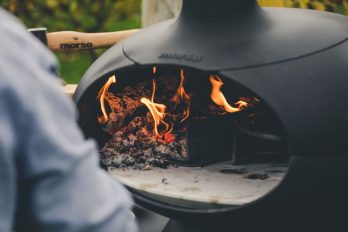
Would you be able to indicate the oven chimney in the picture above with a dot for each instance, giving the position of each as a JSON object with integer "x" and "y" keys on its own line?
{"x": 207, "y": 11}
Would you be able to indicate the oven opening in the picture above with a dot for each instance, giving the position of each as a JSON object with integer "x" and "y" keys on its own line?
{"x": 186, "y": 127}
{"x": 178, "y": 116}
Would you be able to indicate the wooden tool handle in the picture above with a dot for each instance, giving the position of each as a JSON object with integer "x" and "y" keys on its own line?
{"x": 72, "y": 40}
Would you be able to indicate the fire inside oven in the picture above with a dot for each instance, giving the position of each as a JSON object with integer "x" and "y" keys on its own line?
{"x": 176, "y": 116}
{"x": 160, "y": 117}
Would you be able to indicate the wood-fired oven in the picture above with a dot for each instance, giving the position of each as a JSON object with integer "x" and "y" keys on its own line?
{"x": 230, "y": 116}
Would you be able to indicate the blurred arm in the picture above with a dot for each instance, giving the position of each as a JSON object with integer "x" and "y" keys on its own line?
{"x": 60, "y": 184}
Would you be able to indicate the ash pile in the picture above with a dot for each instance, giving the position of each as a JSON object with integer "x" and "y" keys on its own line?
{"x": 135, "y": 147}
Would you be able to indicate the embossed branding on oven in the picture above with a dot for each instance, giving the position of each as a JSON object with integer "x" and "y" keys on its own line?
{"x": 180, "y": 56}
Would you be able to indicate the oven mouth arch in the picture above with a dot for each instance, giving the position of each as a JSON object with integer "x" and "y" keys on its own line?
{"x": 90, "y": 95}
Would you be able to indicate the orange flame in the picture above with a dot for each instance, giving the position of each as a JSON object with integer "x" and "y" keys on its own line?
{"x": 157, "y": 111}
{"x": 103, "y": 119}
{"x": 181, "y": 95}
{"x": 219, "y": 99}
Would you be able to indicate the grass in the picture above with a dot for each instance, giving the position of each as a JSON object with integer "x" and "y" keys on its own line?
{"x": 73, "y": 66}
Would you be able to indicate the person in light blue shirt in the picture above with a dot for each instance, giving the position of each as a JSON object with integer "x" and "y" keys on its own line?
{"x": 50, "y": 179}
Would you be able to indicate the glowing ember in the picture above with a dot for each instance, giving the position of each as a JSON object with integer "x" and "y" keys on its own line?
{"x": 182, "y": 97}
{"x": 219, "y": 99}
{"x": 157, "y": 111}
{"x": 103, "y": 119}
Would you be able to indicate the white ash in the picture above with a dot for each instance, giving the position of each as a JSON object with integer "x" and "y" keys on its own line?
{"x": 135, "y": 147}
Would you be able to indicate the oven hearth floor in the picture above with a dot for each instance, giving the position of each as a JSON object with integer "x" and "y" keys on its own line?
{"x": 220, "y": 183}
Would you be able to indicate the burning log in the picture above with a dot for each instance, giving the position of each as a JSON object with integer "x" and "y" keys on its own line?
{"x": 123, "y": 109}
{"x": 125, "y": 106}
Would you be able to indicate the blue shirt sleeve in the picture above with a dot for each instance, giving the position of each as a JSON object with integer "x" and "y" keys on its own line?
{"x": 44, "y": 159}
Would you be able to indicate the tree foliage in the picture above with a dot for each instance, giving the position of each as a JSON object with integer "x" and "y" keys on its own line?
{"x": 108, "y": 15}
{"x": 87, "y": 15}
{"x": 337, "y": 6}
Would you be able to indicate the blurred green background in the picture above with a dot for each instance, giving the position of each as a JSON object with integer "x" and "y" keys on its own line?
{"x": 110, "y": 15}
